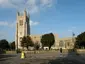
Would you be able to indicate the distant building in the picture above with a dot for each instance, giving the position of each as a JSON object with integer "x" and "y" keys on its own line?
{"x": 66, "y": 43}
{"x": 23, "y": 29}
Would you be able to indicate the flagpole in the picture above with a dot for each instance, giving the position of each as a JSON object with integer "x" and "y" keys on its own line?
{"x": 73, "y": 40}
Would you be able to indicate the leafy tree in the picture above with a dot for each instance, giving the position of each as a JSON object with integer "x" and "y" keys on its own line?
{"x": 12, "y": 45}
{"x": 4, "y": 44}
{"x": 26, "y": 42}
{"x": 80, "y": 40}
{"x": 36, "y": 46}
{"x": 48, "y": 40}
{"x": 29, "y": 42}
{"x": 23, "y": 42}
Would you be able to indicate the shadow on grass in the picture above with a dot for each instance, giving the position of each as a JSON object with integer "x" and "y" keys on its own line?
{"x": 72, "y": 57}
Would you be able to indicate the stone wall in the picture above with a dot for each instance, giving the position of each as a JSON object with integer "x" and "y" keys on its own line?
{"x": 81, "y": 51}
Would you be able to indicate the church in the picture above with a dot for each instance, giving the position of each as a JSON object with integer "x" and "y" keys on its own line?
{"x": 23, "y": 29}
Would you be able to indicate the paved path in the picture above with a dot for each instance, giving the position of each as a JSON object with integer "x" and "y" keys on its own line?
{"x": 43, "y": 58}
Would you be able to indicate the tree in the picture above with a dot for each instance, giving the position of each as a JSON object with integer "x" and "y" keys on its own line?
{"x": 80, "y": 40}
{"x": 4, "y": 45}
{"x": 23, "y": 42}
{"x": 36, "y": 46}
{"x": 29, "y": 42}
{"x": 26, "y": 42}
{"x": 12, "y": 45}
{"x": 48, "y": 40}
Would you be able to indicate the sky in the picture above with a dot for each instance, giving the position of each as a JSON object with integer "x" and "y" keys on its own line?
{"x": 60, "y": 17}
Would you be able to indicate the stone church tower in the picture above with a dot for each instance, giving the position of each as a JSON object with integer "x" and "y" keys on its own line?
{"x": 22, "y": 28}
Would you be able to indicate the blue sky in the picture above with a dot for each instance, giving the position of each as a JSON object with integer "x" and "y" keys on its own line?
{"x": 61, "y": 17}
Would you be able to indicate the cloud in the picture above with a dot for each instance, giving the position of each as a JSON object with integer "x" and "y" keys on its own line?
{"x": 48, "y": 32}
{"x": 33, "y": 23}
{"x": 13, "y": 24}
{"x": 3, "y": 34}
{"x": 5, "y": 23}
{"x": 47, "y": 3}
{"x": 32, "y": 6}
{"x": 72, "y": 29}
{"x": 6, "y": 3}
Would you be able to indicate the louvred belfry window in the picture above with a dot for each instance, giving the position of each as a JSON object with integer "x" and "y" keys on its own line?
{"x": 21, "y": 22}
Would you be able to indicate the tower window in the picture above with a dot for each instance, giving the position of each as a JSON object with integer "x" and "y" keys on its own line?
{"x": 21, "y": 22}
